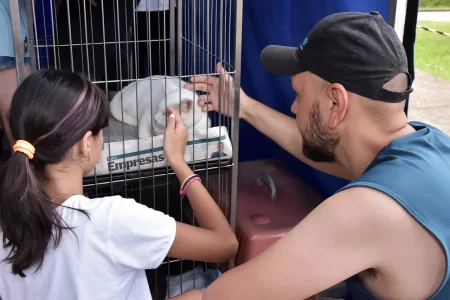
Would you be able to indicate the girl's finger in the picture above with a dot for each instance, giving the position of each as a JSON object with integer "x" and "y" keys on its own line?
{"x": 178, "y": 120}
{"x": 169, "y": 110}
{"x": 174, "y": 117}
{"x": 171, "y": 122}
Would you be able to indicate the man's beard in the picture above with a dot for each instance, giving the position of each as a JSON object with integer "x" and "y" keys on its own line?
{"x": 318, "y": 144}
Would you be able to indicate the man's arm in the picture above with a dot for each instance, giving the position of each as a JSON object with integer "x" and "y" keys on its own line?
{"x": 343, "y": 236}
{"x": 277, "y": 126}
{"x": 282, "y": 129}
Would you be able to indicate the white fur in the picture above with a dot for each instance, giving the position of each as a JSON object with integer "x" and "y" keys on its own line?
{"x": 152, "y": 106}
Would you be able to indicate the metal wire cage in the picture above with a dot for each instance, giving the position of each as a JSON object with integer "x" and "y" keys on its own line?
{"x": 128, "y": 43}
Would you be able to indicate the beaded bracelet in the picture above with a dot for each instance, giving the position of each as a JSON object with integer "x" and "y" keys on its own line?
{"x": 187, "y": 184}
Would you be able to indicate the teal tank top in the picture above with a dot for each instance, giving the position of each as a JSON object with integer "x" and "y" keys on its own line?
{"x": 415, "y": 171}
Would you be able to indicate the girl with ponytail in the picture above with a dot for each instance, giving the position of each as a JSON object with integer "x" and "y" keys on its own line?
{"x": 59, "y": 244}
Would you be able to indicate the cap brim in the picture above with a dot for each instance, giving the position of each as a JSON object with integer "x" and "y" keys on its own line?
{"x": 282, "y": 60}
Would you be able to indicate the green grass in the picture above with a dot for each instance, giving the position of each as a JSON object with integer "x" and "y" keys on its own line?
{"x": 434, "y": 8}
{"x": 434, "y": 4}
{"x": 432, "y": 50}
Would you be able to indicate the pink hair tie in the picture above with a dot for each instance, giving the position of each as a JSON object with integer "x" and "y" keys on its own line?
{"x": 188, "y": 183}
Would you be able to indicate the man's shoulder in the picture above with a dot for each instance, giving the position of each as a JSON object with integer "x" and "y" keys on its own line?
{"x": 360, "y": 197}
{"x": 367, "y": 208}
{"x": 373, "y": 214}
{"x": 393, "y": 231}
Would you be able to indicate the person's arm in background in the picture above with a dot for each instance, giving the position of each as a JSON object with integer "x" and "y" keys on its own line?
{"x": 279, "y": 127}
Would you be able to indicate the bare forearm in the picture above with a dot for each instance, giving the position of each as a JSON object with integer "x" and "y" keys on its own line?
{"x": 207, "y": 212}
{"x": 279, "y": 127}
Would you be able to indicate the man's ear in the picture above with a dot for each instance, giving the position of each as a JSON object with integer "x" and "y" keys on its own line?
{"x": 338, "y": 96}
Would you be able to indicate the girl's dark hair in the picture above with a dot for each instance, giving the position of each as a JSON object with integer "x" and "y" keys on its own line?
{"x": 52, "y": 110}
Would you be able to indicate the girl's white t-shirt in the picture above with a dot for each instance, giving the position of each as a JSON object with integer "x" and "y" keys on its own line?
{"x": 103, "y": 259}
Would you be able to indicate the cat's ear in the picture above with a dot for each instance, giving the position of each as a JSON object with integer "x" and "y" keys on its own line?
{"x": 186, "y": 105}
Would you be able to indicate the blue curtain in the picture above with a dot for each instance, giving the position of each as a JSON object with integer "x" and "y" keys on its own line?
{"x": 284, "y": 22}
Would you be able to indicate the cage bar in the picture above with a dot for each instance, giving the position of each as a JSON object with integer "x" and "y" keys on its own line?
{"x": 130, "y": 49}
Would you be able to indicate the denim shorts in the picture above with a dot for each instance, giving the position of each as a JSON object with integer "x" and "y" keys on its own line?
{"x": 8, "y": 62}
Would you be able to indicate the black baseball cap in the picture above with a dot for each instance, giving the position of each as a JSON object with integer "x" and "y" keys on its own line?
{"x": 358, "y": 50}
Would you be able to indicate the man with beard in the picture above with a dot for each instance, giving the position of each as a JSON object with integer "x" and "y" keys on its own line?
{"x": 387, "y": 231}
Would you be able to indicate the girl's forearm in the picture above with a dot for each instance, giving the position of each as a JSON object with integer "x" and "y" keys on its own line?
{"x": 206, "y": 210}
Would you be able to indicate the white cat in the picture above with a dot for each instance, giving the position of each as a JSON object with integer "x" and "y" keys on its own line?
{"x": 151, "y": 111}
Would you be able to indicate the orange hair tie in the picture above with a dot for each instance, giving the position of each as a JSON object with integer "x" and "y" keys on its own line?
{"x": 24, "y": 147}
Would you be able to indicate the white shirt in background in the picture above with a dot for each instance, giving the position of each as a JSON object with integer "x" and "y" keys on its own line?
{"x": 104, "y": 261}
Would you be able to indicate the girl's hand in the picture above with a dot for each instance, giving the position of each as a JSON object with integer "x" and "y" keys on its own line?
{"x": 175, "y": 138}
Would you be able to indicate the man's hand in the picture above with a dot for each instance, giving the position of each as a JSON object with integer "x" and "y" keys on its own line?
{"x": 220, "y": 91}
{"x": 279, "y": 127}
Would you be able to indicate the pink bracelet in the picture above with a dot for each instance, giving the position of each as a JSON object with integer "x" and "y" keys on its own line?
{"x": 188, "y": 183}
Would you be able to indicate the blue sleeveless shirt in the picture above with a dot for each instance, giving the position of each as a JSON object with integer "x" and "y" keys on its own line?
{"x": 414, "y": 170}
